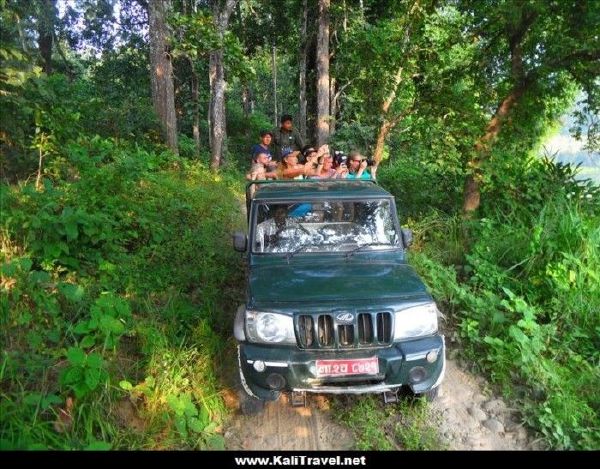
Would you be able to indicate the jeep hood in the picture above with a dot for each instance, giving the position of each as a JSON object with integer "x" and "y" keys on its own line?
{"x": 318, "y": 282}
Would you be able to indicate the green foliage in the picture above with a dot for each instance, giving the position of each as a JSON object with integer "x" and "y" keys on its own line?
{"x": 527, "y": 307}
{"x": 105, "y": 272}
{"x": 107, "y": 323}
{"x": 84, "y": 373}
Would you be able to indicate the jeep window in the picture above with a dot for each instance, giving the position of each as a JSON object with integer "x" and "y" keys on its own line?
{"x": 324, "y": 226}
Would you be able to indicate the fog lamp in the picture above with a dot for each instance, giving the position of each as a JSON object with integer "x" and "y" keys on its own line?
{"x": 417, "y": 374}
{"x": 275, "y": 381}
{"x": 431, "y": 357}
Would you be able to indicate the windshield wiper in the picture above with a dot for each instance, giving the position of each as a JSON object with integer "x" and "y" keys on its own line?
{"x": 366, "y": 245}
{"x": 301, "y": 248}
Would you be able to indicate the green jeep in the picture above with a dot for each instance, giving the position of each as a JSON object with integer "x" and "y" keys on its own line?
{"x": 332, "y": 306}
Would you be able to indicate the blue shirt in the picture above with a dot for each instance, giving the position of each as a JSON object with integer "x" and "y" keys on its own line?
{"x": 365, "y": 175}
{"x": 258, "y": 148}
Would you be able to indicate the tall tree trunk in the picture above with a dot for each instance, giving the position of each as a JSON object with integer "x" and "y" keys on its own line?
{"x": 323, "y": 113}
{"x": 212, "y": 76}
{"x": 274, "y": 65}
{"x": 302, "y": 66}
{"x": 387, "y": 123}
{"x": 196, "y": 109}
{"x": 161, "y": 73}
{"x": 218, "y": 130}
{"x": 472, "y": 194}
{"x": 46, "y": 19}
{"x": 333, "y": 95}
{"x": 247, "y": 107}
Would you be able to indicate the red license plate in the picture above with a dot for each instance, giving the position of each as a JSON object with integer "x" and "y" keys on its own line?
{"x": 357, "y": 366}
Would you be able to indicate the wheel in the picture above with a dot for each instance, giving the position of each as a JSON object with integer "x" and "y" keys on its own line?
{"x": 250, "y": 405}
{"x": 430, "y": 395}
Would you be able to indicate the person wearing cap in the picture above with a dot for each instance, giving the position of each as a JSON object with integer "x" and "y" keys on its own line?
{"x": 286, "y": 138}
{"x": 357, "y": 167}
{"x": 289, "y": 168}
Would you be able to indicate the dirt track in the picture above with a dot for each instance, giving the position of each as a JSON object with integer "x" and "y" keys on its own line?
{"x": 470, "y": 418}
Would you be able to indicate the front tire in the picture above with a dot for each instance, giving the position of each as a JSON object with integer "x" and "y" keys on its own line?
{"x": 250, "y": 405}
{"x": 430, "y": 395}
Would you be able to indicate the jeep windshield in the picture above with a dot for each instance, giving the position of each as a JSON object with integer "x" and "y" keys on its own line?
{"x": 324, "y": 226}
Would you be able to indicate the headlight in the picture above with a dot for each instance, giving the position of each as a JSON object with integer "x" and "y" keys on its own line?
{"x": 270, "y": 328}
{"x": 416, "y": 321}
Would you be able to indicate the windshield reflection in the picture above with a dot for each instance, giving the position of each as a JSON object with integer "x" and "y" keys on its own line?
{"x": 324, "y": 227}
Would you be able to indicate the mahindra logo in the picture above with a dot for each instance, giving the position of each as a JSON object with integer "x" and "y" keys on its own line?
{"x": 345, "y": 317}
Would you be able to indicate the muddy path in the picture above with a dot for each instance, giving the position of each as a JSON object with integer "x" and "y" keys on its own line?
{"x": 469, "y": 417}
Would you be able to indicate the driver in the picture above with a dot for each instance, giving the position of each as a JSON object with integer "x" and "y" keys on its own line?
{"x": 268, "y": 231}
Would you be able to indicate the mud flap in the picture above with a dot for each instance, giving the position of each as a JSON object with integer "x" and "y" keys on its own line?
{"x": 390, "y": 397}
{"x": 298, "y": 398}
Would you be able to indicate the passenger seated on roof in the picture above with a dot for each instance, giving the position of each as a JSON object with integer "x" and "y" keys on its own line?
{"x": 289, "y": 167}
{"x": 357, "y": 166}
{"x": 327, "y": 170}
{"x": 259, "y": 170}
{"x": 311, "y": 163}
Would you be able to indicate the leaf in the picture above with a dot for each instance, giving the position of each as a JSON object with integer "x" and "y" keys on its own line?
{"x": 76, "y": 356}
{"x": 72, "y": 375}
{"x": 110, "y": 325}
{"x": 39, "y": 276}
{"x": 204, "y": 416}
{"x": 32, "y": 399}
{"x": 518, "y": 335}
{"x": 126, "y": 385}
{"x": 82, "y": 327}
{"x": 195, "y": 425}
{"x": 71, "y": 292}
{"x": 80, "y": 389}
{"x": 176, "y": 405}
{"x": 181, "y": 425}
{"x": 94, "y": 360}
{"x": 92, "y": 377}
{"x": 25, "y": 264}
{"x": 188, "y": 406}
{"x": 71, "y": 230}
{"x": 87, "y": 342}
{"x": 49, "y": 400}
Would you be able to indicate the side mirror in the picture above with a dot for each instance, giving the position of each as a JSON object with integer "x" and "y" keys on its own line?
{"x": 239, "y": 241}
{"x": 407, "y": 237}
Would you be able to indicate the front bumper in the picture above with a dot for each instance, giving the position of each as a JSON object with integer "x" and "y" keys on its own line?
{"x": 293, "y": 369}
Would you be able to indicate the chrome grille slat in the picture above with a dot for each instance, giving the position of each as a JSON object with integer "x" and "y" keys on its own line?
{"x": 365, "y": 328}
{"x": 325, "y": 330}
{"x": 384, "y": 327}
{"x": 322, "y": 330}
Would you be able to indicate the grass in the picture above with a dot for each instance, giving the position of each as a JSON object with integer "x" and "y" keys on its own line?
{"x": 408, "y": 425}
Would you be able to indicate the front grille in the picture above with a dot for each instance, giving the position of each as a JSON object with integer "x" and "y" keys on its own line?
{"x": 316, "y": 331}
